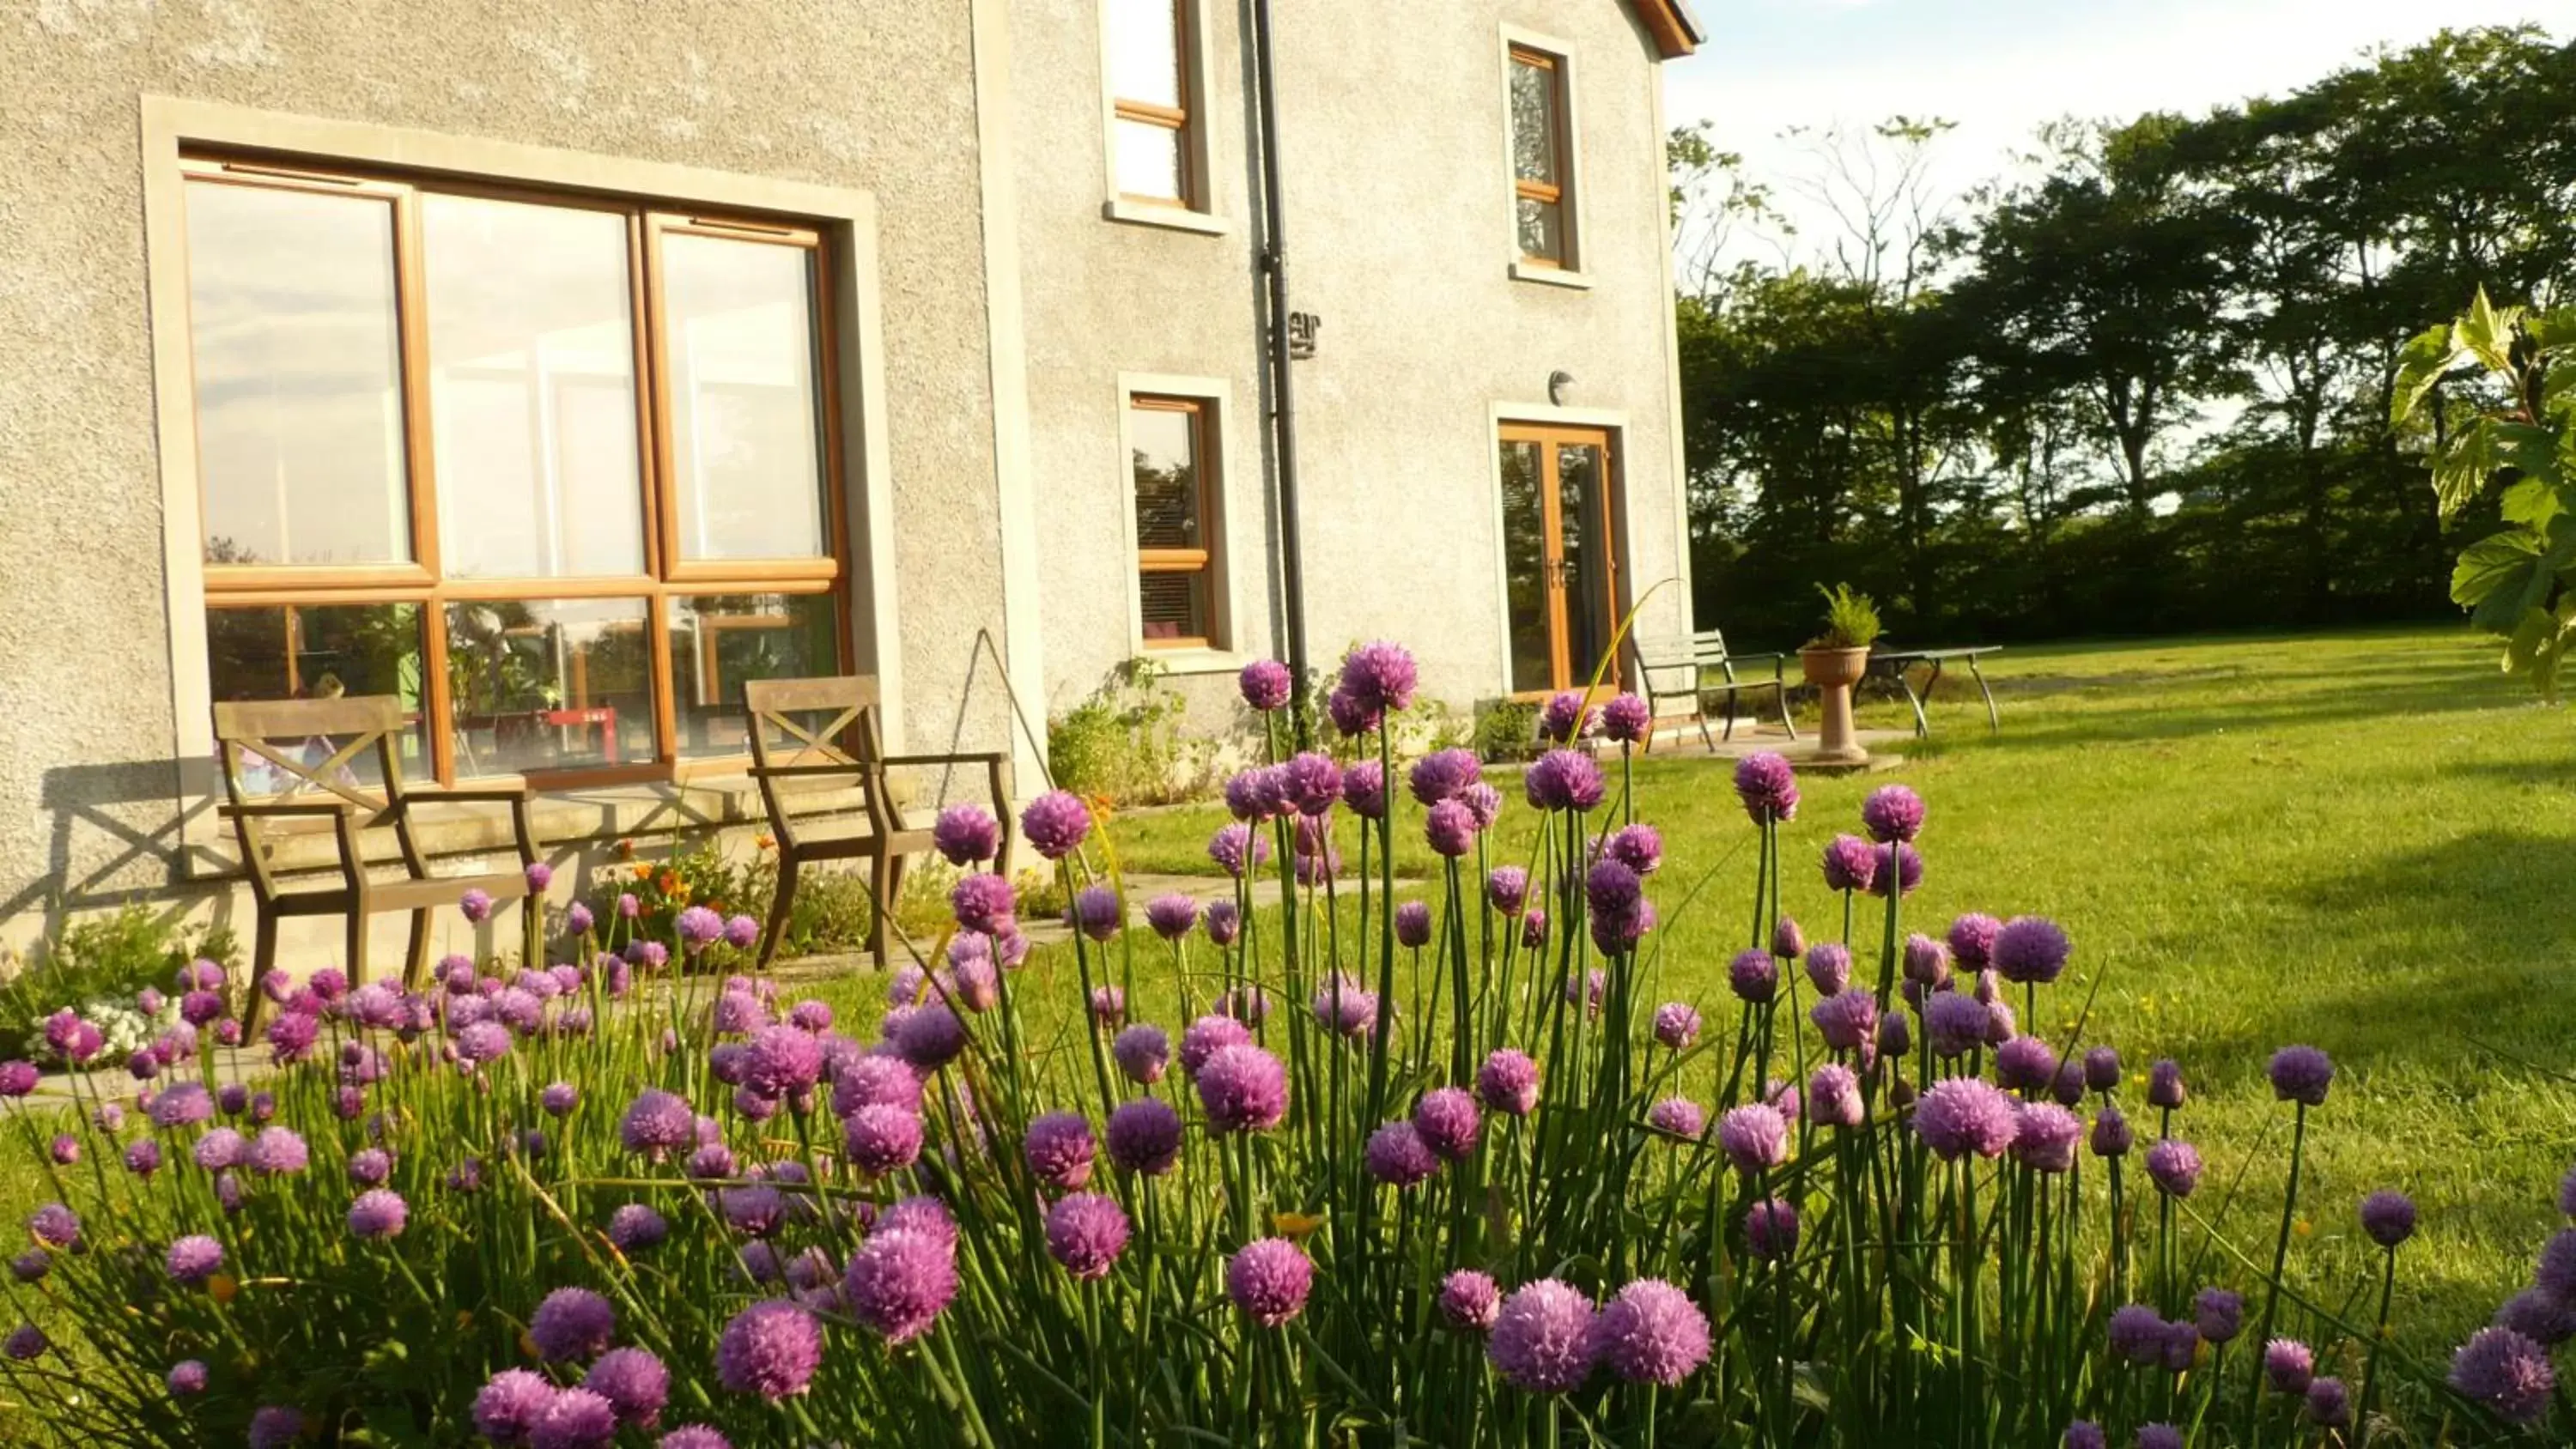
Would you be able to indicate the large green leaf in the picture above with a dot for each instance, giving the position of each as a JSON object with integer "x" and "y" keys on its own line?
{"x": 2533, "y": 502}
{"x": 2462, "y": 469}
{"x": 2498, "y": 578}
{"x": 2538, "y": 646}
{"x": 2419, "y": 366}
{"x": 2487, "y": 330}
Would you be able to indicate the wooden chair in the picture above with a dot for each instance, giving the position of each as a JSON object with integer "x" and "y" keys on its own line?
{"x": 847, "y": 748}
{"x": 1681, "y": 669}
{"x": 310, "y": 796}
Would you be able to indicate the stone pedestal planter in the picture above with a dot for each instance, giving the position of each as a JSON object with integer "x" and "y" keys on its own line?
{"x": 1833, "y": 672}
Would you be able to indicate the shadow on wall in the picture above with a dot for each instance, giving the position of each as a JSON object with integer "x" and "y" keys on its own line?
{"x": 116, "y": 839}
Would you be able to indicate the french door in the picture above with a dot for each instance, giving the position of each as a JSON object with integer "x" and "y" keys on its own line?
{"x": 1560, "y": 570}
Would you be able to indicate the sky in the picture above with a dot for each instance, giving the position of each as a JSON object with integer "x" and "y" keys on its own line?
{"x": 2001, "y": 68}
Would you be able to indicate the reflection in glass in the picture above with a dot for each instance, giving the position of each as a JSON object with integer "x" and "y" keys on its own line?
{"x": 549, "y": 684}
{"x": 746, "y": 431}
{"x": 308, "y": 652}
{"x": 1149, "y": 160}
{"x": 1165, "y": 440}
{"x": 1145, "y": 51}
{"x": 720, "y": 641}
{"x": 1525, "y": 569}
{"x": 1580, "y": 512}
{"x": 532, "y": 389}
{"x": 1534, "y": 124}
{"x": 1541, "y": 229}
{"x": 299, "y": 418}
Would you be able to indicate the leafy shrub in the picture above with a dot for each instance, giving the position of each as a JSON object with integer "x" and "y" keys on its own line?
{"x": 1506, "y": 730}
{"x": 1124, "y": 742}
{"x": 99, "y": 965}
{"x": 1851, "y": 620}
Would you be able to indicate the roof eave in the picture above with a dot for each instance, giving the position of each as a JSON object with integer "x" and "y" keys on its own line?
{"x": 1675, "y": 30}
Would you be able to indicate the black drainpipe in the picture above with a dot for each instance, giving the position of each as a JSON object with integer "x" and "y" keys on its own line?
{"x": 1283, "y": 412}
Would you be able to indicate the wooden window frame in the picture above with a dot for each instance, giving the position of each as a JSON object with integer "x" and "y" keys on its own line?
{"x": 1185, "y": 121}
{"x": 666, "y": 574}
{"x": 1556, "y": 58}
{"x": 1205, "y": 564}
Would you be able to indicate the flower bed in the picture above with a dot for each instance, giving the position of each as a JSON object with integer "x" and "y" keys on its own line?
{"x": 1456, "y": 1164}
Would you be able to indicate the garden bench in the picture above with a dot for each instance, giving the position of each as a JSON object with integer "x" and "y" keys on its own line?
{"x": 289, "y": 769}
{"x": 1899, "y": 661}
{"x": 789, "y": 750}
{"x": 1681, "y": 668}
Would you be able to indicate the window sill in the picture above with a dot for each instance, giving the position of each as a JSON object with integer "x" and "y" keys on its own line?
{"x": 1194, "y": 661}
{"x": 1170, "y": 218}
{"x": 1551, "y": 276}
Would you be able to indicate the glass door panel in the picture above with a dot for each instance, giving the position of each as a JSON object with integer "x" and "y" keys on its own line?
{"x": 1529, "y": 573}
{"x": 1585, "y": 568}
{"x": 1560, "y": 573}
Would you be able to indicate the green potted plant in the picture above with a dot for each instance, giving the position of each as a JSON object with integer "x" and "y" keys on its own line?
{"x": 1834, "y": 661}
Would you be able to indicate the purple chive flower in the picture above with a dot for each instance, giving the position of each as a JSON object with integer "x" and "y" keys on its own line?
{"x": 634, "y": 1383}
{"x": 2536, "y": 1314}
{"x": 2045, "y": 1136}
{"x": 1507, "y": 890}
{"x": 2101, "y": 1069}
{"x": 511, "y": 1404}
{"x": 1587, "y": 989}
{"x": 17, "y": 1078}
{"x": 1313, "y": 783}
{"x": 1755, "y": 1137}
{"x": 1059, "y": 1150}
{"x": 24, "y": 1343}
{"x": 2217, "y": 1314}
{"x": 1767, "y": 784}
{"x": 1449, "y": 829}
{"x": 1638, "y": 847}
{"x": 1207, "y": 1036}
{"x": 1442, "y": 774}
{"x": 1833, "y": 1097}
{"x": 2159, "y": 1436}
{"x": 55, "y": 1226}
{"x": 1086, "y": 1232}
{"x": 1533, "y": 929}
{"x": 1679, "y": 1116}
{"x": 193, "y": 1259}
{"x": 1397, "y": 1156}
{"x": 1650, "y": 1332}
{"x": 2388, "y": 1217}
{"x": 1448, "y": 1122}
{"x": 875, "y": 1081}
{"x": 2164, "y": 1085}
{"x": 1771, "y": 1230}
{"x": 1848, "y": 1022}
{"x": 982, "y": 902}
{"x": 1145, "y": 1136}
{"x": 1626, "y": 719}
{"x": 881, "y": 1138}
{"x": 694, "y": 1436}
{"x": 1567, "y": 716}
{"x": 2301, "y": 1074}
{"x": 1172, "y": 916}
{"x": 1484, "y": 804}
{"x": 771, "y": 1349}
{"x": 1349, "y": 715}
{"x": 275, "y": 1426}
{"x": 476, "y": 906}
{"x": 1224, "y": 923}
{"x": 782, "y": 1062}
{"x": 2288, "y": 1364}
{"x": 741, "y": 932}
{"x": 1753, "y": 976}
{"x": 377, "y": 1214}
{"x": 1381, "y": 676}
{"x": 2111, "y": 1134}
{"x": 2329, "y": 1402}
{"x": 1927, "y": 961}
{"x": 635, "y": 1227}
{"x": 2507, "y": 1372}
{"x": 1829, "y": 966}
{"x": 1364, "y": 790}
{"x": 187, "y": 1377}
{"x": 1542, "y": 1338}
{"x": 578, "y": 919}
{"x": 1243, "y": 1089}
{"x": 572, "y": 1323}
{"x": 2557, "y": 1271}
{"x": 1972, "y": 939}
{"x": 1413, "y": 925}
{"x": 2025, "y": 1064}
{"x": 1964, "y": 1114}
{"x": 1508, "y": 1083}
{"x": 2029, "y": 949}
{"x": 1954, "y": 1023}
{"x": 1269, "y": 1280}
{"x": 1850, "y": 864}
{"x": 931, "y": 1037}
{"x": 2175, "y": 1165}
{"x": 1677, "y": 1025}
{"x": 1266, "y": 685}
{"x": 483, "y": 1041}
{"x": 1235, "y": 849}
{"x": 579, "y": 1418}
{"x": 1343, "y": 1005}
{"x": 1563, "y": 780}
{"x": 1892, "y": 813}
{"x": 1096, "y": 913}
{"x": 1142, "y": 1052}
{"x": 2137, "y": 1334}
{"x": 966, "y": 835}
{"x": 65, "y": 1149}
{"x": 658, "y": 1123}
{"x": 1470, "y": 1301}
{"x": 31, "y": 1266}
{"x": 220, "y": 1148}
{"x": 1256, "y": 794}
{"x": 1055, "y": 823}
{"x": 1898, "y": 865}
{"x": 143, "y": 1158}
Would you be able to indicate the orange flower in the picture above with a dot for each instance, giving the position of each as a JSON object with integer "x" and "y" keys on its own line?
{"x": 1296, "y": 1225}
{"x": 626, "y": 850}
{"x": 222, "y": 1287}
{"x": 765, "y": 843}
{"x": 667, "y": 883}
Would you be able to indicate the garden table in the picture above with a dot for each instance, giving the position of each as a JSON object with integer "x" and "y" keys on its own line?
{"x": 1898, "y": 661}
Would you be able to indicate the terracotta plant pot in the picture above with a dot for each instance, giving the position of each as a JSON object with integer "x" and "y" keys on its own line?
{"x": 1833, "y": 672}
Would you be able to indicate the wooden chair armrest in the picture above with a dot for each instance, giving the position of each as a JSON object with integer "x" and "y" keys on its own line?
{"x": 970, "y": 757}
{"x": 469, "y": 794}
{"x": 309, "y": 809}
{"x": 794, "y": 772}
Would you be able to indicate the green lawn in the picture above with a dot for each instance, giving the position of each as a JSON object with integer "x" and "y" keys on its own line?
{"x": 2363, "y": 841}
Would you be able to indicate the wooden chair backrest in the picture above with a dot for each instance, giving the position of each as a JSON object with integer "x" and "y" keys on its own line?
{"x": 355, "y": 724}
{"x": 851, "y": 736}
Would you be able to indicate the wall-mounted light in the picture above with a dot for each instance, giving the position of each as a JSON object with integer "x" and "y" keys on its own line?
{"x": 1557, "y": 382}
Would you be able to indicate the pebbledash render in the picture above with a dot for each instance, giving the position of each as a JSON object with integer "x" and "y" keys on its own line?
{"x": 557, "y": 369}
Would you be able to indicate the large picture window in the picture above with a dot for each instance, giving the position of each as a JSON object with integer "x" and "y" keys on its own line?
{"x": 559, "y": 471}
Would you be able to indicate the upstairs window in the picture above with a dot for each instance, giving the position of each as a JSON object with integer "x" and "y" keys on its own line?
{"x": 1171, "y": 450}
{"x": 556, "y": 470}
{"x": 1153, "y": 153}
{"x": 1542, "y": 150}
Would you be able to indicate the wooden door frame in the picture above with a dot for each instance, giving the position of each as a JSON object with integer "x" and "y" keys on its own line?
{"x": 1552, "y": 435}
